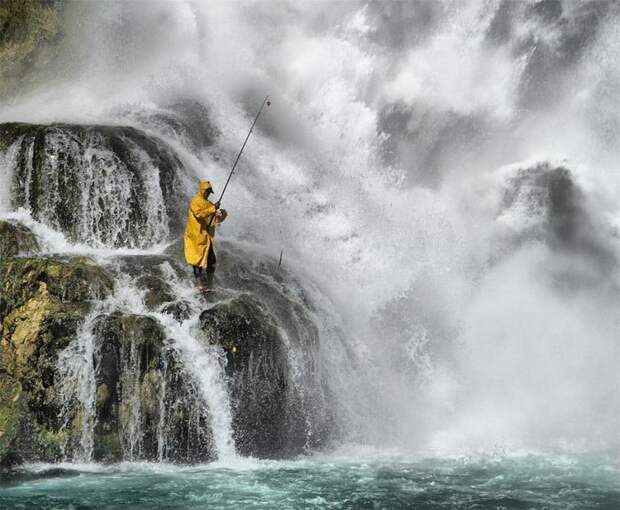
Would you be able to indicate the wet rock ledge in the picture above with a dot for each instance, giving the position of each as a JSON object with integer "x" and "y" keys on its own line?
{"x": 146, "y": 403}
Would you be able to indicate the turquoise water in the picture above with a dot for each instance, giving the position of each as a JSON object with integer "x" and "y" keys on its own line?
{"x": 390, "y": 482}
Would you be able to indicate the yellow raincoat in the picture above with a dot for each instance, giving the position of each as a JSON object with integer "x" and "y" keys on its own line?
{"x": 200, "y": 228}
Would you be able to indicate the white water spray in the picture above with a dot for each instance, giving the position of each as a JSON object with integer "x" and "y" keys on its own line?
{"x": 379, "y": 169}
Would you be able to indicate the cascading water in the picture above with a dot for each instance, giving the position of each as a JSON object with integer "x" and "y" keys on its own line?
{"x": 78, "y": 389}
{"x": 440, "y": 176}
{"x": 99, "y": 185}
{"x": 82, "y": 362}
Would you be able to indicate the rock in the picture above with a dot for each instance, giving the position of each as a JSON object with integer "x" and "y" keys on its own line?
{"x": 152, "y": 273}
{"x": 157, "y": 290}
{"x": 262, "y": 394}
{"x": 11, "y": 414}
{"x": 73, "y": 280}
{"x": 129, "y": 349}
{"x": 147, "y": 404}
{"x": 181, "y": 310}
{"x": 16, "y": 239}
{"x": 59, "y": 179}
{"x": 43, "y": 303}
{"x": 147, "y": 407}
{"x": 136, "y": 266}
{"x": 281, "y": 401}
{"x": 186, "y": 425}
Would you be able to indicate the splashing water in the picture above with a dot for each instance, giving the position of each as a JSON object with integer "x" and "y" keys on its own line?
{"x": 204, "y": 364}
{"x": 76, "y": 366}
{"x": 382, "y": 170}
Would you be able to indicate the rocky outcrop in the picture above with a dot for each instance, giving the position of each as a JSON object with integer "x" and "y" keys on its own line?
{"x": 147, "y": 407}
{"x": 43, "y": 302}
{"x": 281, "y": 404}
{"x": 146, "y": 404}
{"x": 267, "y": 421}
{"x": 16, "y": 239}
{"x": 151, "y": 274}
{"x": 107, "y": 185}
{"x": 29, "y": 33}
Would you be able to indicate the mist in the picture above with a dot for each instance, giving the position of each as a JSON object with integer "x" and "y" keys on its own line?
{"x": 446, "y": 173}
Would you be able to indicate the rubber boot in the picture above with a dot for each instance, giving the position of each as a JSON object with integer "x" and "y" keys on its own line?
{"x": 210, "y": 282}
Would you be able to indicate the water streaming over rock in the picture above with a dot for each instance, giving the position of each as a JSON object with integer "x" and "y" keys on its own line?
{"x": 440, "y": 175}
{"x": 109, "y": 186}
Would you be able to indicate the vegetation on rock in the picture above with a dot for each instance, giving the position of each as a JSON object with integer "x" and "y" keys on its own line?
{"x": 43, "y": 302}
{"x": 29, "y": 31}
{"x": 58, "y": 178}
{"x": 147, "y": 406}
{"x": 16, "y": 239}
{"x": 11, "y": 411}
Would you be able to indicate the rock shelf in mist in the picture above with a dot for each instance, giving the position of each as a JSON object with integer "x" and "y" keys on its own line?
{"x": 116, "y": 356}
{"x": 103, "y": 185}
{"x": 142, "y": 401}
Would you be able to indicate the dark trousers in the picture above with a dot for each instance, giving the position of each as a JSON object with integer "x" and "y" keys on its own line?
{"x": 211, "y": 262}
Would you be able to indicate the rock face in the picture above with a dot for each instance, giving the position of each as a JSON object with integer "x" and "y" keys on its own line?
{"x": 96, "y": 356}
{"x": 29, "y": 33}
{"x": 280, "y": 402}
{"x": 43, "y": 302}
{"x": 261, "y": 316}
{"x": 266, "y": 406}
{"x": 146, "y": 407}
{"x": 107, "y": 185}
{"x": 16, "y": 239}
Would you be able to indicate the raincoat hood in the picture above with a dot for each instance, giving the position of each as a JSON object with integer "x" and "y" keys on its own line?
{"x": 204, "y": 186}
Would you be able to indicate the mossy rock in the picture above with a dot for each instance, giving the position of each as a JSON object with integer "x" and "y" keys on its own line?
{"x": 29, "y": 33}
{"x": 50, "y": 444}
{"x": 11, "y": 412}
{"x": 43, "y": 303}
{"x": 158, "y": 292}
{"x": 16, "y": 239}
{"x": 128, "y": 331}
{"x": 261, "y": 393}
{"x": 142, "y": 383}
{"x": 127, "y": 365}
{"x": 108, "y": 448}
{"x": 34, "y": 332}
{"x": 73, "y": 280}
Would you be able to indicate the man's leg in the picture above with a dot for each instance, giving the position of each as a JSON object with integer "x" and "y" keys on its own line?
{"x": 198, "y": 275}
{"x": 211, "y": 262}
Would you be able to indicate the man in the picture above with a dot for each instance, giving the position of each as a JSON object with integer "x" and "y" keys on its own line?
{"x": 202, "y": 217}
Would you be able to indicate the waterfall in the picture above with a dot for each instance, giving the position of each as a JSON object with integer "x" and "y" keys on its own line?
{"x": 202, "y": 367}
{"x": 78, "y": 389}
{"x": 440, "y": 176}
{"x": 100, "y": 185}
{"x": 206, "y": 366}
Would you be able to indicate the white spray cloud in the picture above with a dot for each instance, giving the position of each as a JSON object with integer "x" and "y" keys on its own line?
{"x": 501, "y": 353}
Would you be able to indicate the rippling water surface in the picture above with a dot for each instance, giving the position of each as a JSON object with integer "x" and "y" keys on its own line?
{"x": 335, "y": 481}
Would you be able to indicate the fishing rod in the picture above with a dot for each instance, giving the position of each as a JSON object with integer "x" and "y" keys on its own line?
{"x": 265, "y": 102}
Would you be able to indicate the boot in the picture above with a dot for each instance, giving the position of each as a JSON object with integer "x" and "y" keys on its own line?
{"x": 210, "y": 282}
